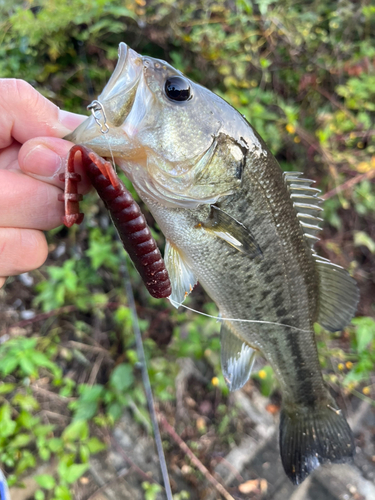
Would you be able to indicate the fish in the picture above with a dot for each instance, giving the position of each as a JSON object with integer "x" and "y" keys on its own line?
{"x": 243, "y": 228}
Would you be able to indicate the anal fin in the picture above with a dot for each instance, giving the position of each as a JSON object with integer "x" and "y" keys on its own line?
{"x": 338, "y": 295}
{"x": 237, "y": 359}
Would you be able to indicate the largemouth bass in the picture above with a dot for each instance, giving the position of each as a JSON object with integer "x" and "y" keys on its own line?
{"x": 242, "y": 227}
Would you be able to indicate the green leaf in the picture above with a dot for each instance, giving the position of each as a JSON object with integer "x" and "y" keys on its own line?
{"x": 71, "y": 473}
{"x": 84, "y": 410}
{"x": 363, "y": 239}
{"x": 27, "y": 366}
{"x": 365, "y": 332}
{"x": 43, "y": 430}
{"x": 122, "y": 377}
{"x": 44, "y": 454}
{"x": 87, "y": 404}
{"x": 8, "y": 365}
{"x": 46, "y": 481}
{"x": 8, "y": 425}
{"x": 95, "y": 445}
{"x": 39, "y": 495}
{"x": 27, "y": 420}
{"x": 55, "y": 444}
{"x": 84, "y": 453}
{"x": 62, "y": 493}
{"x": 92, "y": 393}
{"x": 26, "y": 461}
{"x": 6, "y": 388}
{"x": 20, "y": 440}
{"x": 25, "y": 401}
{"x": 115, "y": 410}
{"x": 77, "y": 430}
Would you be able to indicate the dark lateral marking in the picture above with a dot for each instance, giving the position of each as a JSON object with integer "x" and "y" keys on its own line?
{"x": 265, "y": 294}
{"x": 269, "y": 278}
{"x": 277, "y": 300}
{"x": 304, "y": 386}
{"x": 281, "y": 312}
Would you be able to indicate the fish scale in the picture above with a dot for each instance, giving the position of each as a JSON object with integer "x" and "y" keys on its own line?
{"x": 223, "y": 286}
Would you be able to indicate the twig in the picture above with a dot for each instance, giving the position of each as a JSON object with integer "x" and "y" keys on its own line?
{"x": 311, "y": 140}
{"x": 230, "y": 467}
{"x": 54, "y": 415}
{"x": 137, "y": 469}
{"x": 51, "y": 395}
{"x": 42, "y": 317}
{"x": 184, "y": 447}
{"x": 349, "y": 184}
{"x": 363, "y": 397}
{"x": 105, "y": 486}
{"x": 95, "y": 369}
{"x": 55, "y": 312}
{"x": 337, "y": 104}
{"x": 87, "y": 347}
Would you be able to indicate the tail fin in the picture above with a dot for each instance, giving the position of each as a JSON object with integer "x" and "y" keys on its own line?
{"x": 311, "y": 437}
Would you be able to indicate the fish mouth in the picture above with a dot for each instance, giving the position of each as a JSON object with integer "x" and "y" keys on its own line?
{"x": 102, "y": 130}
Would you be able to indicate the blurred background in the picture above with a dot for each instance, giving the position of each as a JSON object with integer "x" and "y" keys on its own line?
{"x": 74, "y": 418}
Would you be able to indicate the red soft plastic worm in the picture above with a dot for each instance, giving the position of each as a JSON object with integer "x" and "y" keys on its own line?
{"x": 125, "y": 213}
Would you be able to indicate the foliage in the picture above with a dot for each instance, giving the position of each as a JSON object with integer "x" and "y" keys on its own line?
{"x": 303, "y": 75}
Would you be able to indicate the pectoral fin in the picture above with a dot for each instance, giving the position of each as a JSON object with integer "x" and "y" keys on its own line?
{"x": 233, "y": 232}
{"x": 237, "y": 359}
{"x": 180, "y": 273}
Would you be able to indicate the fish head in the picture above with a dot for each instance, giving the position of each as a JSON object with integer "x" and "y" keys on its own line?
{"x": 170, "y": 135}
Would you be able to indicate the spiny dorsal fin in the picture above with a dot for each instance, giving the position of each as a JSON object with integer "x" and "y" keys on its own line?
{"x": 306, "y": 202}
{"x": 338, "y": 295}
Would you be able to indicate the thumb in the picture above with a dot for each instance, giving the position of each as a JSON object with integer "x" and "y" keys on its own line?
{"x": 44, "y": 158}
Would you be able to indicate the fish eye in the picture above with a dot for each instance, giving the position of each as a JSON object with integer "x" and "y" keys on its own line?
{"x": 177, "y": 89}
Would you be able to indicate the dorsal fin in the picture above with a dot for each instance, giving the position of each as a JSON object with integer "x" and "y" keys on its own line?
{"x": 307, "y": 204}
{"x": 338, "y": 295}
{"x": 338, "y": 292}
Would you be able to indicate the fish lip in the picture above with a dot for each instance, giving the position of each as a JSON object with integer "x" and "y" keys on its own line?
{"x": 122, "y": 82}
{"x": 120, "y": 66}
{"x": 129, "y": 64}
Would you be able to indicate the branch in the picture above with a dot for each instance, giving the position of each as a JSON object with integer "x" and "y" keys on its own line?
{"x": 198, "y": 464}
{"x": 138, "y": 470}
{"x": 349, "y": 184}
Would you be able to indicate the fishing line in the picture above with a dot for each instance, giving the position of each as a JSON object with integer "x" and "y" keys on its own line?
{"x": 220, "y": 318}
{"x": 99, "y": 115}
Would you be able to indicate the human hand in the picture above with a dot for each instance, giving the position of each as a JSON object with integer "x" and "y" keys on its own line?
{"x": 32, "y": 155}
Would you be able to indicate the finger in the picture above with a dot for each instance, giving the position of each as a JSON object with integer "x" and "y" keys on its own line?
{"x": 45, "y": 159}
{"x": 2, "y": 281}
{"x": 28, "y": 203}
{"x": 9, "y": 156}
{"x": 24, "y": 114}
{"x": 21, "y": 250}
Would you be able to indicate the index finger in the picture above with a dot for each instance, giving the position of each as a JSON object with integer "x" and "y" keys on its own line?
{"x": 25, "y": 114}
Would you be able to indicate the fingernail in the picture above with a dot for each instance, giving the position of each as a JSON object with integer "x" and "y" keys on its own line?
{"x": 70, "y": 120}
{"x": 43, "y": 162}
